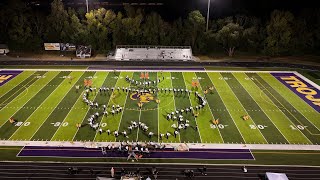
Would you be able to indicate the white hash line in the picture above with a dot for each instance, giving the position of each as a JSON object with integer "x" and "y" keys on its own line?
{"x": 195, "y": 117}
{"x": 284, "y": 114}
{"x": 158, "y": 109}
{"x": 209, "y": 109}
{"x": 16, "y": 84}
{"x": 24, "y": 103}
{"x": 74, "y": 82}
{"x": 124, "y": 105}
{"x": 68, "y": 112}
{"x": 313, "y": 110}
{"x": 96, "y": 94}
{"x": 239, "y": 103}
{"x": 110, "y": 100}
{"x": 174, "y": 103}
{"x": 259, "y": 104}
{"x": 228, "y": 112}
{"x": 144, "y": 80}
{"x": 36, "y": 108}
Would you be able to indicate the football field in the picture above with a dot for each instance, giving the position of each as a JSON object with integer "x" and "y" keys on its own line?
{"x": 240, "y": 107}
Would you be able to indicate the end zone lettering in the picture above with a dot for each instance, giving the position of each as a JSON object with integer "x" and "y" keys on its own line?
{"x": 300, "y": 87}
{"x": 6, "y": 76}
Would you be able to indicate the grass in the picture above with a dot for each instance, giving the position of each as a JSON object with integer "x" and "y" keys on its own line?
{"x": 47, "y": 107}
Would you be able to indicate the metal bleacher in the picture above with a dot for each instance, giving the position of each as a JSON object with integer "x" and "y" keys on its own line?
{"x": 165, "y": 53}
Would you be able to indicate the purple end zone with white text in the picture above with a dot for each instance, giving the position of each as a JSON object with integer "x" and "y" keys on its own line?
{"x": 81, "y": 152}
{"x": 302, "y": 96}
{"x": 6, "y": 76}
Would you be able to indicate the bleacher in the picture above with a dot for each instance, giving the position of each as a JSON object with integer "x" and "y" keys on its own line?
{"x": 165, "y": 53}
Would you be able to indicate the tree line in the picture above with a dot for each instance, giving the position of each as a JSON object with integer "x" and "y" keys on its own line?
{"x": 282, "y": 33}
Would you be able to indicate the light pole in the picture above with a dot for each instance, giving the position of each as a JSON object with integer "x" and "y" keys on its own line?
{"x": 87, "y": 6}
{"x": 208, "y": 14}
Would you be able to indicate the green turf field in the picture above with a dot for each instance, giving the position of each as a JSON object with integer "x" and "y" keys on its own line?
{"x": 47, "y": 107}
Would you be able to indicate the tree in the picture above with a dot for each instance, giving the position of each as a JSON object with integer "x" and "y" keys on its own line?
{"x": 57, "y": 21}
{"x": 20, "y": 31}
{"x": 195, "y": 27}
{"x": 100, "y": 25}
{"x": 280, "y": 33}
{"x": 229, "y": 37}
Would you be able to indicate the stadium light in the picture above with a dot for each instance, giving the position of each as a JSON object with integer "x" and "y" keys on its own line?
{"x": 208, "y": 13}
{"x": 87, "y": 6}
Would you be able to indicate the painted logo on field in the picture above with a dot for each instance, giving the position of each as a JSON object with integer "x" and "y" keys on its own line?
{"x": 144, "y": 98}
{"x": 303, "y": 89}
{"x": 6, "y": 76}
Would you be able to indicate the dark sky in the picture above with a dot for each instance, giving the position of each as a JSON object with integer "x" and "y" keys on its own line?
{"x": 171, "y": 9}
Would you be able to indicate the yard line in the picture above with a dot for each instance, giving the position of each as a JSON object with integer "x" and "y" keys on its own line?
{"x": 294, "y": 105}
{"x": 26, "y": 101}
{"x": 174, "y": 102}
{"x": 24, "y": 86}
{"x": 127, "y": 94}
{"x": 227, "y": 111}
{"x": 158, "y": 113}
{"x": 241, "y": 106}
{"x": 287, "y": 111}
{"x": 144, "y": 80}
{"x": 66, "y": 116}
{"x": 79, "y": 98}
{"x": 74, "y": 81}
{"x": 261, "y": 107}
{"x": 96, "y": 94}
{"x": 12, "y": 81}
{"x": 107, "y": 104}
{"x": 191, "y": 105}
{"x": 36, "y": 108}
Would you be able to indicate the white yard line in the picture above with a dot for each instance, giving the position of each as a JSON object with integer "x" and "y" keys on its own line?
{"x": 103, "y": 117}
{"x": 96, "y": 94}
{"x": 314, "y": 85}
{"x": 58, "y": 103}
{"x": 158, "y": 134}
{"x": 17, "y": 84}
{"x": 259, "y": 105}
{"x": 79, "y": 98}
{"x": 25, "y": 102}
{"x": 174, "y": 102}
{"x": 184, "y": 80}
{"x": 283, "y": 113}
{"x": 144, "y": 79}
{"x": 306, "y": 79}
{"x": 241, "y": 105}
{"x": 36, "y": 108}
{"x": 124, "y": 105}
{"x": 228, "y": 113}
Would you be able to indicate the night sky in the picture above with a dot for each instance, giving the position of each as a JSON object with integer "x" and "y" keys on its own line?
{"x": 172, "y": 9}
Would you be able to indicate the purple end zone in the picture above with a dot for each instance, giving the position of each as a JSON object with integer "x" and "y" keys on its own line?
{"x": 315, "y": 96}
{"x": 81, "y": 152}
{"x": 6, "y": 76}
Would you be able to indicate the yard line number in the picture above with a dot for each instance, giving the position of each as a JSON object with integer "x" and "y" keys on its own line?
{"x": 22, "y": 123}
{"x": 57, "y": 124}
{"x": 300, "y": 127}
{"x": 219, "y": 126}
{"x": 259, "y": 126}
